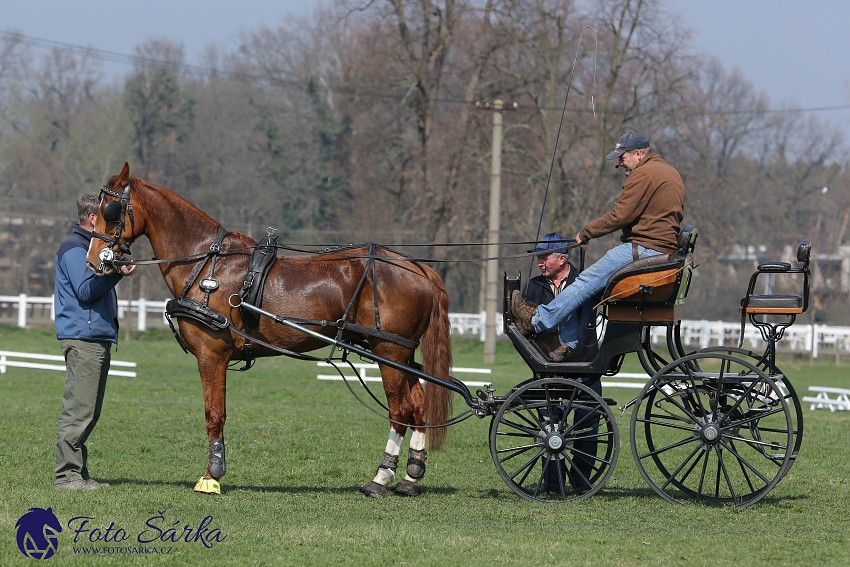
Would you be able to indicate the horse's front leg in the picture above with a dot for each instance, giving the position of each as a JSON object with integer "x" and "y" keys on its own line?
{"x": 213, "y": 372}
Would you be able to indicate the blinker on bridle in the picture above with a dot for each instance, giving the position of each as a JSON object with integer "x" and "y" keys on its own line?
{"x": 117, "y": 212}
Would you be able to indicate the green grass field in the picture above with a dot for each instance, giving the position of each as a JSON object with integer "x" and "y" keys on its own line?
{"x": 298, "y": 449}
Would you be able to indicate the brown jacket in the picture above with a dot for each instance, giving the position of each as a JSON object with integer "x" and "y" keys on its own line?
{"x": 649, "y": 210}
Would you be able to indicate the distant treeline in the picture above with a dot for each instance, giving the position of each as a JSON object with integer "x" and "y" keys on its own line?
{"x": 360, "y": 123}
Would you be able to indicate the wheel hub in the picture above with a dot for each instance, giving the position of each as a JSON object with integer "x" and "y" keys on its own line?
{"x": 710, "y": 433}
{"x": 554, "y": 442}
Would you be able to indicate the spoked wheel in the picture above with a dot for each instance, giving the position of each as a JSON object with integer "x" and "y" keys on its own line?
{"x": 711, "y": 427}
{"x": 554, "y": 440}
{"x": 784, "y": 388}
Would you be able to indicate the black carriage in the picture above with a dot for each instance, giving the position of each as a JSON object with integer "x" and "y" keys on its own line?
{"x": 719, "y": 424}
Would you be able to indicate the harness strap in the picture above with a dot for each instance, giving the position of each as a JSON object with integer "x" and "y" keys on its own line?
{"x": 373, "y": 332}
{"x": 370, "y": 264}
{"x": 215, "y": 249}
{"x": 258, "y": 267}
{"x": 374, "y": 286}
{"x": 359, "y": 329}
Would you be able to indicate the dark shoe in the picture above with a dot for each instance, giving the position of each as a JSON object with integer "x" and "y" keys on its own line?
{"x": 560, "y": 354}
{"x": 523, "y": 311}
{"x": 78, "y": 484}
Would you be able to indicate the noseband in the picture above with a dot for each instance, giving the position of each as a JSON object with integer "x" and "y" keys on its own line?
{"x": 117, "y": 214}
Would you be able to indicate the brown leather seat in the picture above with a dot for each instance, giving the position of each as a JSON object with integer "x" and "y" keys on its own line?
{"x": 649, "y": 289}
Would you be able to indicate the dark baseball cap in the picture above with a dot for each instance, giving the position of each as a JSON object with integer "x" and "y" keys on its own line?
{"x": 629, "y": 141}
{"x": 552, "y": 242}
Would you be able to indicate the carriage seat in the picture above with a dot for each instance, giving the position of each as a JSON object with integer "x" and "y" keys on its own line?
{"x": 650, "y": 289}
{"x": 779, "y": 304}
{"x": 761, "y": 309}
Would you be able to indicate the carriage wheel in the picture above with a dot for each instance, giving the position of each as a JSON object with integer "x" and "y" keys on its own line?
{"x": 554, "y": 440}
{"x": 785, "y": 389}
{"x": 711, "y": 427}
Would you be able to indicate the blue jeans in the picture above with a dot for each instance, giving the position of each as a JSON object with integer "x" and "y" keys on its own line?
{"x": 562, "y": 310}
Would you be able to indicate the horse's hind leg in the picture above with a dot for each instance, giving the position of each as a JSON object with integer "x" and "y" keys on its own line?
{"x": 416, "y": 454}
{"x": 377, "y": 487}
{"x": 405, "y": 407}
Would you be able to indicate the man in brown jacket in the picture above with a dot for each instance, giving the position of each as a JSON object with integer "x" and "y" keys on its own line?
{"x": 649, "y": 212}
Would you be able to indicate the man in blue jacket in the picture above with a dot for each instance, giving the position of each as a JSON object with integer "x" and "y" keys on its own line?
{"x": 86, "y": 309}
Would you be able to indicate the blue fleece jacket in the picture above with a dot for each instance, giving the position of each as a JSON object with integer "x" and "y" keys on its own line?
{"x": 86, "y": 305}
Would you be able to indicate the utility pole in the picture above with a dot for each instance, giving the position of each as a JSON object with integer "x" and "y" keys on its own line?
{"x": 492, "y": 270}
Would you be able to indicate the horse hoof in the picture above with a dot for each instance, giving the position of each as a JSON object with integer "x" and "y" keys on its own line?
{"x": 208, "y": 486}
{"x": 374, "y": 490}
{"x": 407, "y": 488}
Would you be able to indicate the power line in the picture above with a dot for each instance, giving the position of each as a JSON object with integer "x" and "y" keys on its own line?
{"x": 243, "y": 77}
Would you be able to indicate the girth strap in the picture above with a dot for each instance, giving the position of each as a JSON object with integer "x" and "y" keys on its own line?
{"x": 258, "y": 267}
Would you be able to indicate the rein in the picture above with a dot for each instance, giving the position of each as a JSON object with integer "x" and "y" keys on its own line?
{"x": 124, "y": 208}
{"x": 341, "y": 250}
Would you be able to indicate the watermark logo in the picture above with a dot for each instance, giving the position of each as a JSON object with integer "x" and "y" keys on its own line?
{"x": 38, "y": 533}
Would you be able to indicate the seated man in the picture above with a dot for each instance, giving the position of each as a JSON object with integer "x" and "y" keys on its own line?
{"x": 556, "y": 274}
{"x": 649, "y": 212}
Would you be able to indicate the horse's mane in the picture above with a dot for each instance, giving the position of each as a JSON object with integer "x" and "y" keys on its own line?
{"x": 175, "y": 199}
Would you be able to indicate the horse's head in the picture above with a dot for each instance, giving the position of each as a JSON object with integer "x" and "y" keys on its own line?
{"x": 116, "y": 226}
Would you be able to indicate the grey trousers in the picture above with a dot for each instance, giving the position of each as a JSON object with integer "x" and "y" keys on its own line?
{"x": 87, "y": 364}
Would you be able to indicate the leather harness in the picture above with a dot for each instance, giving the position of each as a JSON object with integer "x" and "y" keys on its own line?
{"x": 262, "y": 258}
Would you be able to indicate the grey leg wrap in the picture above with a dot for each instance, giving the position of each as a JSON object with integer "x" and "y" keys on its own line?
{"x": 415, "y": 471}
{"x": 374, "y": 489}
{"x": 217, "y": 465}
{"x": 416, "y": 464}
{"x": 389, "y": 462}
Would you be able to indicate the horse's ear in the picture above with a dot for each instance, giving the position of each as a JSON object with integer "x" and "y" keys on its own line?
{"x": 124, "y": 176}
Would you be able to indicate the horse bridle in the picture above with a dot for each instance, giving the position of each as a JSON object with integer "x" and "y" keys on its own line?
{"x": 117, "y": 212}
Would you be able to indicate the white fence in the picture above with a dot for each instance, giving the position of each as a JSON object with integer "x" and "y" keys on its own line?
{"x": 22, "y": 360}
{"x": 23, "y": 308}
{"x": 814, "y": 339}
{"x": 824, "y": 398}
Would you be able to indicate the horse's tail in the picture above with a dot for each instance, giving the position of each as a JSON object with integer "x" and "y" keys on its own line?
{"x": 437, "y": 361}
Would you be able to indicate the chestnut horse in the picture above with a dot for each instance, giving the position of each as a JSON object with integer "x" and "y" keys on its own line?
{"x": 405, "y": 299}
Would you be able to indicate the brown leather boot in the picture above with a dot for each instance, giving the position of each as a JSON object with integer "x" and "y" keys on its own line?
{"x": 560, "y": 354}
{"x": 523, "y": 311}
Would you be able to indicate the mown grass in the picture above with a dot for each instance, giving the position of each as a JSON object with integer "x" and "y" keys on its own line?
{"x": 298, "y": 449}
